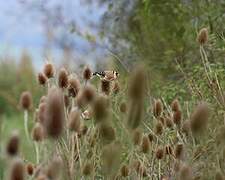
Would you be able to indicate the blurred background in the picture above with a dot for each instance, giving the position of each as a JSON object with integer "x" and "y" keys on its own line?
{"x": 121, "y": 33}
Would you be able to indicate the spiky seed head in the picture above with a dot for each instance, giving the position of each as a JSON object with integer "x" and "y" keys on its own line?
{"x": 49, "y": 70}
{"x": 87, "y": 169}
{"x": 175, "y": 105}
{"x": 159, "y": 153}
{"x": 116, "y": 87}
{"x": 42, "y": 112}
{"x": 87, "y": 73}
{"x": 74, "y": 120}
{"x": 63, "y": 80}
{"x": 177, "y": 117}
{"x": 145, "y": 146}
{"x": 17, "y": 170}
{"x": 179, "y": 151}
{"x": 89, "y": 93}
{"x": 124, "y": 171}
{"x": 137, "y": 136}
{"x": 105, "y": 87}
{"x": 41, "y": 79}
{"x": 169, "y": 122}
{"x": 157, "y": 108}
{"x": 54, "y": 114}
{"x": 12, "y": 146}
{"x": 74, "y": 86}
{"x": 38, "y": 132}
{"x": 186, "y": 172}
{"x": 26, "y": 100}
{"x": 30, "y": 169}
{"x": 150, "y": 137}
{"x": 107, "y": 133}
{"x": 159, "y": 128}
{"x": 203, "y": 36}
{"x": 123, "y": 107}
{"x": 199, "y": 118}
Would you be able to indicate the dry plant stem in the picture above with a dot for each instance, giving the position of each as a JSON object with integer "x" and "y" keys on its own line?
{"x": 26, "y": 124}
{"x": 72, "y": 153}
{"x": 159, "y": 170}
{"x": 78, "y": 150}
{"x": 37, "y": 152}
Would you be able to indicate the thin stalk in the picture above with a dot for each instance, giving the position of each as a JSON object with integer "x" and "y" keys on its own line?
{"x": 26, "y": 124}
{"x": 37, "y": 152}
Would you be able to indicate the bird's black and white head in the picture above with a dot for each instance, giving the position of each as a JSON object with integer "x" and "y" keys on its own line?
{"x": 116, "y": 74}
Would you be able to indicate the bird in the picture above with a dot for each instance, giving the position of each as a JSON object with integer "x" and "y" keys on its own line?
{"x": 107, "y": 75}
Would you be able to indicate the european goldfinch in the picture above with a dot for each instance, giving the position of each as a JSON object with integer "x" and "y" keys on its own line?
{"x": 107, "y": 75}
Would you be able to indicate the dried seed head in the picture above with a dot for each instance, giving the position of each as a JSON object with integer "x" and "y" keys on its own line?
{"x": 26, "y": 100}
{"x": 124, "y": 171}
{"x": 74, "y": 86}
{"x": 17, "y": 171}
{"x": 42, "y": 112}
{"x": 159, "y": 153}
{"x": 137, "y": 136}
{"x": 87, "y": 169}
{"x": 141, "y": 170}
{"x": 105, "y": 86}
{"x": 54, "y": 168}
{"x": 179, "y": 151}
{"x": 137, "y": 83}
{"x": 123, "y": 107}
{"x": 48, "y": 70}
{"x": 157, "y": 108}
{"x": 159, "y": 128}
{"x": 74, "y": 120}
{"x": 63, "y": 78}
{"x": 54, "y": 114}
{"x": 203, "y": 36}
{"x": 169, "y": 122}
{"x": 199, "y": 118}
{"x": 89, "y": 93}
{"x": 107, "y": 133}
{"x": 30, "y": 169}
{"x": 42, "y": 79}
{"x": 38, "y": 132}
{"x": 145, "y": 146}
{"x": 186, "y": 173}
{"x": 177, "y": 116}
{"x": 12, "y": 146}
{"x": 175, "y": 105}
{"x": 150, "y": 137}
{"x": 100, "y": 108}
{"x": 116, "y": 87}
{"x": 87, "y": 73}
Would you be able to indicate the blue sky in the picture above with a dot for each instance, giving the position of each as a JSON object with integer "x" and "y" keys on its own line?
{"x": 21, "y": 26}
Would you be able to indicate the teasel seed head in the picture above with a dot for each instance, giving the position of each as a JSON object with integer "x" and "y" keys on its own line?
{"x": 87, "y": 169}
{"x": 199, "y": 118}
{"x": 159, "y": 153}
{"x": 124, "y": 171}
{"x": 54, "y": 114}
{"x": 49, "y": 70}
{"x": 30, "y": 169}
{"x": 175, "y": 105}
{"x": 87, "y": 73}
{"x": 159, "y": 128}
{"x": 63, "y": 80}
{"x": 42, "y": 79}
{"x": 107, "y": 133}
{"x": 116, "y": 87}
{"x": 100, "y": 108}
{"x": 17, "y": 170}
{"x": 12, "y": 146}
{"x": 26, "y": 100}
{"x": 186, "y": 173}
{"x": 73, "y": 87}
{"x": 157, "y": 108}
{"x": 42, "y": 112}
{"x": 38, "y": 132}
{"x": 105, "y": 87}
{"x": 123, "y": 107}
{"x": 151, "y": 137}
{"x": 177, "y": 117}
{"x": 137, "y": 136}
{"x": 203, "y": 36}
{"x": 169, "y": 122}
{"x": 145, "y": 146}
{"x": 179, "y": 151}
{"x": 74, "y": 120}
